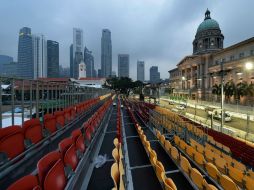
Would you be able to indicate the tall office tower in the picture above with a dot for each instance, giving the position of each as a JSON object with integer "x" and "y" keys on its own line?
{"x": 53, "y": 59}
{"x": 39, "y": 56}
{"x": 89, "y": 61}
{"x": 123, "y": 65}
{"x": 141, "y": 71}
{"x": 25, "y": 54}
{"x": 106, "y": 53}
{"x": 71, "y": 61}
{"x": 154, "y": 75}
{"x": 4, "y": 59}
{"x": 77, "y": 51}
{"x": 99, "y": 73}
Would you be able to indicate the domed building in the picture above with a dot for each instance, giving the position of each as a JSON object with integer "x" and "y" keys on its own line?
{"x": 208, "y": 38}
{"x": 197, "y": 74}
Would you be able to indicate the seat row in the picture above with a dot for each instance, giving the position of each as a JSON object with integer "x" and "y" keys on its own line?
{"x": 215, "y": 166}
{"x": 192, "y": 173}
{"x": 167, "y": 183}
{"x": 33, "y": 132}
{"x": 57, "y": 168}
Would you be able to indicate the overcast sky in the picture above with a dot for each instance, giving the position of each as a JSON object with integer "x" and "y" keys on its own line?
{"x": 160, "y": 32}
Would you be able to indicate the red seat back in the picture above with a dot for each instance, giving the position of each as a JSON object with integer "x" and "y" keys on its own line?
{"x": 60, "y": 117}
{"x": 78, "y": 139}
{"x": 70, "y": 157}
{"x": 29, "y": 182}
{"x": 50, "y": 122}
{"x": 46, "y": 163}
{"x": 64, "y": 145}
{"x": 12, "y": 141}
{"x": 33, "y": 130}
{"x": 55, "y": 178}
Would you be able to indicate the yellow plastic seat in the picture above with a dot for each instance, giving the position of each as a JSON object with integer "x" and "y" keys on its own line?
{"x": 120, "y": 151}
{"x": 121, "y": 169}
{"x": 208, "y": 186}
{"x": 185, "y": 165}
{"x": 190, "y": 151}
{"x": 177, "y": 140}
{"x": 236, "y": 175}
{"x": 193, "y": 143}
{"x": 174, "y": 153}
{"x": 162, "y": 139}
{"x": 168, "y": 146}
{"x": 116, "y": 143}
{"x": 169, "y": 184}
{"x": 199, "y": 159}
{"x": 221, "y": 164}
{"x": 212, "y": 171}
{"x": 209, "y": 156}
{"x": 158, "y": 134}
{"x": 116, "y": 155}
{"x": 227, "y": 183}
{"x": 115, "y": 174}
{"x": 219, "y": 145}
{"x": 239, "y": 165}
{"x": 228, "y": 159}
{"x": 200, "y": 148}
{"x": 197, "y": 178}
{"x": 249, "y": 182}
{"x": 160, "y": 172}
{"x": 183, "y": 145}
{"x": 121, "y": 187}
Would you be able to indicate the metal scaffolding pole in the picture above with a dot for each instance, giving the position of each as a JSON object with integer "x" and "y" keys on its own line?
{"x": 37, "y": 99}
{"x": 22, "y": 100}
{"x": 31, "y": 98}
{"x": 12, "y": 101}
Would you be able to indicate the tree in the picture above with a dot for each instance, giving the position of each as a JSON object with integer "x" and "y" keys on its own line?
{"x": 229, "y": 89}
{"x": 241, "y": 89}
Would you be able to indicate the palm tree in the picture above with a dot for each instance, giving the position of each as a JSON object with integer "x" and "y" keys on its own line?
{"x": 241, "y": 89}
{"x": 229, "y": 89}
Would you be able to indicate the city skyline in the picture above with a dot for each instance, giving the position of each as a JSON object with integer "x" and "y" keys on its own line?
{"x": 175, "y": 25}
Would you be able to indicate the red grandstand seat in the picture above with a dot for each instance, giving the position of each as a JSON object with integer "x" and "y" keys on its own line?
{"x": 46, "y": 163}
{"x": 88, "y": 134}
{"x": 55, "y": 178}
{"x": 33, "y": 130}
{"x": 79, "y": 140}
{"x": 29, "y": 182}
{"x": 60, "y": 118}
{"x": 11, "y": 137}
{"x": 68, "y": 151}
{"x": 73, "y": 113}
{"x": 50, "y": 122}
{"x": 67, "y": 114}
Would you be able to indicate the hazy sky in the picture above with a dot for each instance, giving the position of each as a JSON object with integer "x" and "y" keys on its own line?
{"x": 160, "y": 32}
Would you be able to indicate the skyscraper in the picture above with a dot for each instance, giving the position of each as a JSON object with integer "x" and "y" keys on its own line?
{"x": 25, "y": 54}
{"x": 89, "y": 61}
{"x": 71, "y": 61}
{"x": 39, "y": 56}
{"x": 141, "y": 71}
{"x": 154, "y": 74}
{"x": 106, "y": 53}
{"x": 123, "y": 65}
{"x": 4, "y": 59}
{"x": 53, "y": 59}
{"x": 77, "y": 52}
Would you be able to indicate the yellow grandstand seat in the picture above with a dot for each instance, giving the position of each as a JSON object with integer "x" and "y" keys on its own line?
{"x": 115, "y": 174}
{"x": 168, "y": 183}
{"x": 185, "y": 165}
{"x": 115, "y": 154}
{"x": 162, "y": 139}
{"x": 190, "y": 151}
{"x": 239, "y": 165}
{"x": 227, "y": 183}
{"x": 209, "y": 155}
{"x": 212, "y": 171}
{"x": 208, "y": 186}
{"x": 177, "y": 140}
{"x": 174, "y": 153}
{"x": 168, "y": 146}
{"x": 158, "y": 134}
{"x": 197, "y": 178}
{"x": 226, "y": 149}
{"x": 248, "y": 183}
{"x": 221, "y": 164}
{"x": 236, "y": 175}
{"x": 228, "y": 158}
{"x": 121, "y": 187}
{"x": 183, "y": 145}
{"x": 193, "y": 143}
{"x": 199, "y": 159}
{"x": 116, "y": 143}
{"x": 160, "y": 171}
{"x": 200, "y": 148}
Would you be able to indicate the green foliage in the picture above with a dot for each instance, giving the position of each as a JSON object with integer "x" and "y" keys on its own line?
{"x": 123, "y": 85}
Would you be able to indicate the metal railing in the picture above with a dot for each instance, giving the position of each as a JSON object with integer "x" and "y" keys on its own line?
{"x": 23, "y": 99}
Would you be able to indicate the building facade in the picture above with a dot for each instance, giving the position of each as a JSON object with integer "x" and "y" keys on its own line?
{"x": 197, "y": 75}
{"x": 53, "y": 59}
{"x": 89, "y": 61}
{"x": 141, "y": 71}
{"x": 4, "y": 59}
{"x": 154, "y": 75}
{"x": 123, "y": 65}
{"x": 39, "y": 56}
{"x": 106, "y": 53}
{"x": 25, "y": 54}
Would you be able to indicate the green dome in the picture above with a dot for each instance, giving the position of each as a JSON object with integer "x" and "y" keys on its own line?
{"x": 208, "y": 24}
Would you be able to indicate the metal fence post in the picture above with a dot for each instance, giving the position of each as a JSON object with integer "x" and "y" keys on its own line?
{"x": 22, "y": 100}
{"x": 12, "y": 102}
{"x": 31, "y": 99}
{"x": 1, "y": 103}
{"x": 37, "y": 99}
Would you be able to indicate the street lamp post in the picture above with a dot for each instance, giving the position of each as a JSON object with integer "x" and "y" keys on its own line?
{"x": 222, "y": 99}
